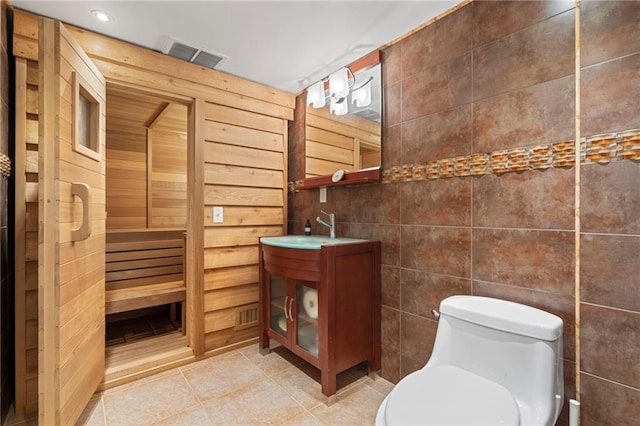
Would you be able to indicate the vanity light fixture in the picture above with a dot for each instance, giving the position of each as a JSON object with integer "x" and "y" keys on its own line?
{"x": 339, "y": 83}
{"x": 362, "y": 95}
{"x": 315, "y": 95}
{"x": 338, "y": 106}
{"x": 102, "y": 16}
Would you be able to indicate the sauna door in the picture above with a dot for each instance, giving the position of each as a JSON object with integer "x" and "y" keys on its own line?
{"x": 71, "y": 248}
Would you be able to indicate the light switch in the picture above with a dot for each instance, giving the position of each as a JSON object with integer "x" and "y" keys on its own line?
{"x": 218, "y": 214}
{"x": 323, "y": 194}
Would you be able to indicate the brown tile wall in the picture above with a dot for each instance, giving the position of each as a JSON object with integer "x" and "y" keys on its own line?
{"x": 490, "y": 76}
{"x": 610, "y": 202}
{"x": 6, "y": 256}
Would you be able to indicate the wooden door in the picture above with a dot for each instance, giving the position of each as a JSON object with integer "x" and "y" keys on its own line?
{"x": 71, "y": 245}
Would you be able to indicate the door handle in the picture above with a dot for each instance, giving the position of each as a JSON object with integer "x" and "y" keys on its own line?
{"x": 290, "y": 305}
{"x": 82, "y": 191}
{"x": 286, "y": 299}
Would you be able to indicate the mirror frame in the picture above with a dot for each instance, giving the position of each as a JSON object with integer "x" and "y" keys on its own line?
{"x": 297, "y": 143}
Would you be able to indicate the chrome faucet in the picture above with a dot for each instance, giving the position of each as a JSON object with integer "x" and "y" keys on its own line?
{"x": 331, "y": 225}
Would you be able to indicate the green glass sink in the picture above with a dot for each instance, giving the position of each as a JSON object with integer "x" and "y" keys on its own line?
{"x": 311, "y": 242}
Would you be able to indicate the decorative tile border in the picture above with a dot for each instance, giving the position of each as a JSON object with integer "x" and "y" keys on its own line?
{"x": 5, "y": 165}
{"x": 603, "y": 148}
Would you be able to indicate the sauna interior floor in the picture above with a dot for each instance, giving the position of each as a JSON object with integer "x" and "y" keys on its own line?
{"x": 240, "y": 387}
{"x": 142, "y": 327}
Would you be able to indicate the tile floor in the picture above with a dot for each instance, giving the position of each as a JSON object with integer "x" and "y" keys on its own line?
{"x": 239, "y": 388}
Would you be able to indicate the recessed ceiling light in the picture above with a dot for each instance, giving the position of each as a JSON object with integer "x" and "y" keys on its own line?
{"x": 102, "y": 16}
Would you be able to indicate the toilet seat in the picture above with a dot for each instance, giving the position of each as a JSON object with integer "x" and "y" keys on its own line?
{"x": 447, "y": 395}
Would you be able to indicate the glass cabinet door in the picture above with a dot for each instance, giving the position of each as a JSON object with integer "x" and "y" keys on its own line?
{"x": 279, "y": 299}
{"x": 307, "y": 318}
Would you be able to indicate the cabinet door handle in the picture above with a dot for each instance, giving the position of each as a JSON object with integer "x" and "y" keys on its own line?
{"x": 286, "y": 298}
{"x": 290, "y": 304}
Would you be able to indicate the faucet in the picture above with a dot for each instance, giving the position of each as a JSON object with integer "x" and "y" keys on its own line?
{"x": 331, "y": 225}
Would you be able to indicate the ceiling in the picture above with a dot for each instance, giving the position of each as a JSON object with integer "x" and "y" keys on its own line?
{"x": 287, "y": 45}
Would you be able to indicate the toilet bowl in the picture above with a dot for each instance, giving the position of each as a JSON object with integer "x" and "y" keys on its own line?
{"x": 494, "y": 362}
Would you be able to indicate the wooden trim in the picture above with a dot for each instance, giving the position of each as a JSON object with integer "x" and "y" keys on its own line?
{"x": 159, "y": 116}
{"x": 81, "y": 87}
{"x": 149, "y": 143}
{"x": 577, "y": 222}
{"x": 147, "y": 91}
{"x": 426, "y": 24}
{"x": 195, "y": 227}
{"x": 285, "y": 177}
{"x": 19, "y": 237}
{"x": 370, "y": 175}
{"x": 366, "y": 62}
{"x": 48, "y": 385}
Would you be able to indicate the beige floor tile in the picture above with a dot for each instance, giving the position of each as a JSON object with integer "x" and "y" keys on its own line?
{"x": 358, "y": 406}
{"x": 196, "y": 416}
{"x": 301, "y": 385}
{"x": 381, "y": 385}
{"x": 304, "y": 418}
{"x": 277, "y": 360}
{"x": 261, "y": 403}
{"x": 241, "y": 387}
{"x": 220, "y": 375}
{"x": 93, "y": 414}
{"x": 12, "y": 420}
{"x": 149, "y": 401}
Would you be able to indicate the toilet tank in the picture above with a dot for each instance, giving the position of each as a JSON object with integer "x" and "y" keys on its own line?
{"x": 517, "y": 346}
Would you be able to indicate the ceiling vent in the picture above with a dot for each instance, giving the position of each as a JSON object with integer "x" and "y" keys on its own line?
{"x": 197, "y": 56}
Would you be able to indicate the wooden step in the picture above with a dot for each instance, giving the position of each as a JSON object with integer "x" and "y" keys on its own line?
{"x": 127, "y": 299}
{"x": 134, "y": 360}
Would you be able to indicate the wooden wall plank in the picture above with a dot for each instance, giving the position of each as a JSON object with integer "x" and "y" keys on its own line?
{"x": 240, "y": 156}
{"x": 250, "y": 215}
{"x": 234, "y": 236}
{"x": 242, "y": 136}
{"x": 222, "y": 174}
{"x": 230, "y": 277}
{"x": 230, "y": 297}
{"x": 167, "y": 163}
{"x": 230, "y": 256}
{"x": 224, "y": 114}
{"x": 242, "y": 196}
{"x": 25, "y": 332}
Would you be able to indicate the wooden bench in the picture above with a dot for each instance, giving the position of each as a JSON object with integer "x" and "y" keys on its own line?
{"x": 144, "y": 268}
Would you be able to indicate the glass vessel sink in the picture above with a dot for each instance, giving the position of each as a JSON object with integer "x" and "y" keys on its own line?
{"x": 311, "y": 242}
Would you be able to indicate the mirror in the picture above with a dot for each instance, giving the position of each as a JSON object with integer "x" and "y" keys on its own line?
{"x": 327, "y": 142}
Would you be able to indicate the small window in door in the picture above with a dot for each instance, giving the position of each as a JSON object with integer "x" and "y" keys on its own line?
{"x": 87, "y": 117}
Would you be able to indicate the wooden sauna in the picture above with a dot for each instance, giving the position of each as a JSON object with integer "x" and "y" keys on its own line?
{"x": 120, "y": 224}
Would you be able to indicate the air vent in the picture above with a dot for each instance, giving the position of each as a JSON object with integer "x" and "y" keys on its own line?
{"x": 246, "y": 316}
{"x": 183, "y": 51}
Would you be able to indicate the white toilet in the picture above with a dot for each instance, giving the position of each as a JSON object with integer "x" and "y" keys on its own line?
{"x": 494, "y": 362}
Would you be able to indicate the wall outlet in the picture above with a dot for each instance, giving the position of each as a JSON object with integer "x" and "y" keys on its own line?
{"x": 323, "y": 194}
{"x": 218, "y": 214}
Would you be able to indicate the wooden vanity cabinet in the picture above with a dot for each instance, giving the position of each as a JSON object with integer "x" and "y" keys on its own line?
{"x": 345, "y": 330}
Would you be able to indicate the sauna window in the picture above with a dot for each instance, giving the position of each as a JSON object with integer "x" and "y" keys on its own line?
{"x": 87, "y": 119}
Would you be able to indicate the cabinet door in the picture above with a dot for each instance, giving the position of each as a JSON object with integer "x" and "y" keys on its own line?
{"x": 306, "y": 317}
{"x": 279, "y": 302}
{"x": 71, "y": 248}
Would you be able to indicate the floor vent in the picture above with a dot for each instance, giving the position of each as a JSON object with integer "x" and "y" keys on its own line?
{"x": 246, "y": 316}
{"x": 192, "y": 54}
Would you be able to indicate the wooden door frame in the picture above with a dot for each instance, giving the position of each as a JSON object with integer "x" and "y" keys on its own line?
{"x": 194, "y": 267}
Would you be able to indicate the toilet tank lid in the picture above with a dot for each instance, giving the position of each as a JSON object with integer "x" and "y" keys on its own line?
{"x": 504, "y": 315}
